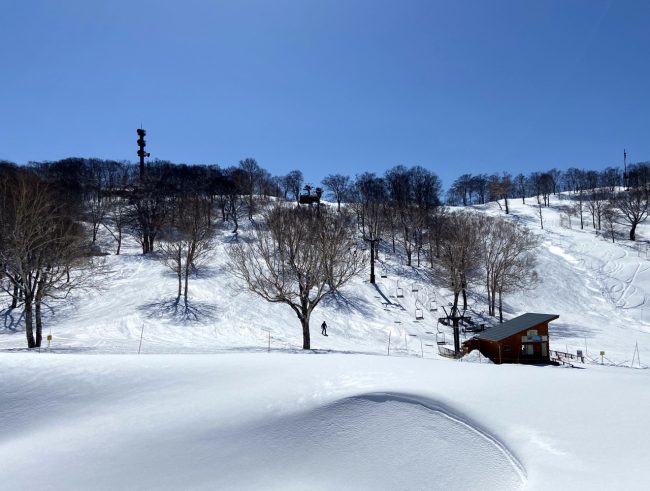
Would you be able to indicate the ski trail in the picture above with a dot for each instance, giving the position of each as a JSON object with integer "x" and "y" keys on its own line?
{"x": 629, "y": 284}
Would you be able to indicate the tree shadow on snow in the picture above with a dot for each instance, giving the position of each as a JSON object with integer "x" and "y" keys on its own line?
{"x": 347, "y": 303}
{"x": 178, "y": 311}
{"x": 12, "y": 320}
{"x": 559, "y": 330}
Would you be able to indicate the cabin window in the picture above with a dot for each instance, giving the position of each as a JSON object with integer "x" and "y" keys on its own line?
{"x": 507, "y": 347}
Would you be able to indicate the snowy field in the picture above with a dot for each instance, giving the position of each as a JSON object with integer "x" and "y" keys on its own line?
{"x": 91, "y": 414}
{"x": 297, "y": 422}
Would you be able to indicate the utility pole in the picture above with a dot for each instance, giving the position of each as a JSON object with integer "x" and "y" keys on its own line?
{"x": 141, "y": 153}
{"x": 625, "y": 169}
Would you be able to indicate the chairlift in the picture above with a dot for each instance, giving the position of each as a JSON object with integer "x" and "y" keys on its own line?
{"x": 419, "y": 315}
{"x": 440, "y": 338}
{"x": 414, "y": 287}
{"x": 399, "y": 291}
{"x": 384, "y": 272}
{"x": 433, "y": 306}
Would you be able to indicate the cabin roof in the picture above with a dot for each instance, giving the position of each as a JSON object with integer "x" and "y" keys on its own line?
{"x": 516, "y": 325}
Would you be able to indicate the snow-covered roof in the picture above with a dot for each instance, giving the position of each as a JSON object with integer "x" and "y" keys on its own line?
{"x": 516, "y": 325}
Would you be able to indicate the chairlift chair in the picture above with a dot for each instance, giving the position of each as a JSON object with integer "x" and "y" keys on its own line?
{"x": 433, "y": 306}
{"x": 440, "y": 336}
{"x": 419, "y": 315}
{"x": 414, "y": 287}
{"x": 399, "y": 291}
{"x": 384, "y": 272}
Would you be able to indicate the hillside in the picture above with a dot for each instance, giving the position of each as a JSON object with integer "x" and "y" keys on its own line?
{"x": 599, "y": 289}
{"x": 92, "y": 413}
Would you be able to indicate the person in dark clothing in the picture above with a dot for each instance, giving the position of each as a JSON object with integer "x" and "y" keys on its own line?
{"x": 323, "y": 329}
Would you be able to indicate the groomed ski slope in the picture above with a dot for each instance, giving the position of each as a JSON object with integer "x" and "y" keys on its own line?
{"x": 205, "y": 407}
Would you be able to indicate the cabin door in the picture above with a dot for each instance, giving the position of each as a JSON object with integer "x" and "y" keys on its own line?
{"x": 544, "y": 350}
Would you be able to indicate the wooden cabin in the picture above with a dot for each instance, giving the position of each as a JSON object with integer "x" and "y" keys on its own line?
{"x": 523, "y": 339}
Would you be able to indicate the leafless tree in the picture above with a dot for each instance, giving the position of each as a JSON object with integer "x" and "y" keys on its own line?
{"x": 187, "y": 240}
{"x": 298, "y": 258}
{"x": 508, "y": 259}
{"x": 369, "y": 199}
{"x": 338, "y": 185}
{"x": 95, "y": 213}
{"x": 117, "y": 218}
{"x": 634, "y": 207}
{"x": 292, "y": 183}
{"x": 460, "y": 248}
{"x": 610, "y": 218}
{"x": 43, "y": 247}
{"x": 250, "y": 176}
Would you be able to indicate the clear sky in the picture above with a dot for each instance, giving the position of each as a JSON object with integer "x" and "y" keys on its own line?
{"x": 329, "y": 86}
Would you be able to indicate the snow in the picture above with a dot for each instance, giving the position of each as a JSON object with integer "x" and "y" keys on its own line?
{"x": 287, "y": 421}
{"x": 205, "y": 407}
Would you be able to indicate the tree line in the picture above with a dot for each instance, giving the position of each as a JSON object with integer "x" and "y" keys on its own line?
{"x": 603, "y": 199}
{"x": 51, "y": 214}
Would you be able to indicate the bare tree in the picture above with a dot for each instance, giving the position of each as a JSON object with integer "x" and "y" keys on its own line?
{"x": 460, "y": 248}
{"x": 117, "y": 219}
{"x": 508, "y": 259}
{"x": 521, "y": 185}
{"x": 292, "y": 183}
{"x": 368, "y": 202}
{"x": 298, "y": 258}
{"x": 187, "y": 240}
{"x": 42, "y": 247}
{"x": 610, "y": 218}
{"x": 250, "y": 179}
{"x": 339, "y": 186}
{"x": 634, "y": 207}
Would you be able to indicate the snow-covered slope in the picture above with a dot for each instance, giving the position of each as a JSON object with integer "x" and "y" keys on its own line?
{"x": 599, "y": 289}
{"x": 341, "y": 420}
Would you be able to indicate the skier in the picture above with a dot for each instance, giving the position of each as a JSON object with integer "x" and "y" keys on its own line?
{"x": 323, "y": 329}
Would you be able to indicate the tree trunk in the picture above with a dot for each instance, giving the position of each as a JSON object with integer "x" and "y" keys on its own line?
{"x": 505, "y": 198}
{"x": 179, "y": 273}
{"x": 29, "y": 326}
{"x": 188, "y": 263}
{"x": 119, "y": 241}
{"x": 39, "y": 323}
{"x": 306, "y": 341}
{"x": 500, "y": 306}
{"x": 372, "y": 262}
{"x": 14, "y": 298}
{"x": 633, "y": 232}
{"x": 487, "y": 289}
{"x": 464, "y": 298}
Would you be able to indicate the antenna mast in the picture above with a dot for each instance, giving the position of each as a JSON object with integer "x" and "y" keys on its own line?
{"x": 141, "y": 153}
{"x": 625, "y": 169}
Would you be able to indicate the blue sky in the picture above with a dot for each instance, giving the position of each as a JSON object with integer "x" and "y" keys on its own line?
{"x": 329, "y": 86}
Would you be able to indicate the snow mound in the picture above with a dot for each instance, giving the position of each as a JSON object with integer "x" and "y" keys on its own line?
{"x": 375, "y": 441}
